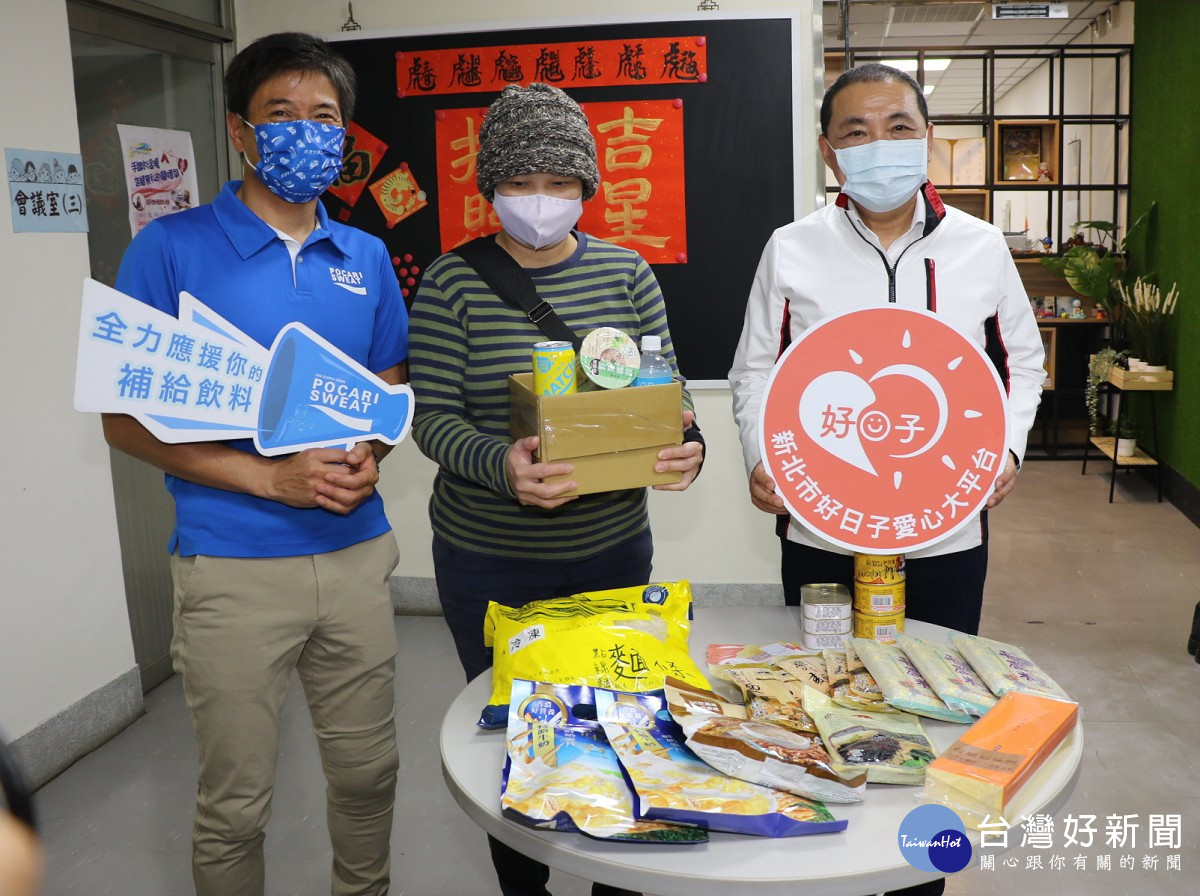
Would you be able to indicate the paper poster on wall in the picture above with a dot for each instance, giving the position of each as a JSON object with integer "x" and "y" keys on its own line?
{"x": 198, "y": 378}
{"x": 160, "y": 173}
{"x": 45, "y": 191}
{"x": 884, "y": 429}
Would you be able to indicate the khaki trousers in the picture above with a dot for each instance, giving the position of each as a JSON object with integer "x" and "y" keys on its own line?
{"x": 241, "y": 627}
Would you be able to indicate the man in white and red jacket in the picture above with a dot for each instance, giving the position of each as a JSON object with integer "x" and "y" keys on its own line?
{"x": 887, "y": 238}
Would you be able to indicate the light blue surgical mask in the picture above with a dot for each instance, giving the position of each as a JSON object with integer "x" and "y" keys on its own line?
{"x": 884, "y": 174}
{"x": 298, "y": 160}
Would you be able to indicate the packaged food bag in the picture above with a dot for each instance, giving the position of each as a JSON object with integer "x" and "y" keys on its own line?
{"x": 999, "y": 763}
{"x": 949, "y": 675}
{"x": 852, "y": 689}
{"x": 758, "y": 751}
{"x": 772, "y": 695}
{"x": 902, "y": 684}
{"x": 1005, "y": 668}
{"x": 628, "y": 638}
{"x": 809, "y": 668}
{"x": 671, "y": 783}
{"x": 892, "y": 748}
{"x": 722, "y": 657}
{"x": 560, "y": 773}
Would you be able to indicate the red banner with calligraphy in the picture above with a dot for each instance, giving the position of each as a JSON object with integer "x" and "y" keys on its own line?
{"x": 362, "y": 153}
{"x": 641, "y": 202}
{"x": 603, "y": 63}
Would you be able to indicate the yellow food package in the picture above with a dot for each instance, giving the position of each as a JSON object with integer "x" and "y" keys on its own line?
{"x": 627, "y": 638}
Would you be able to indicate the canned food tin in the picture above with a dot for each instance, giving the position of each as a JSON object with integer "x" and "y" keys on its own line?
{"x": 553, "y": 368}
{"x": 825, "y": 600}
{"x": 878, "y": 626}
{"x": 878, "y": 598}
{"x": 823, "y": 642}
{"x": 879, "y": 569}
{"x": 828, "y": 626}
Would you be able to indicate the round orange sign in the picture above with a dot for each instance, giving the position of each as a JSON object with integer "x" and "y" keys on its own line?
{"x": 884, "y": 429}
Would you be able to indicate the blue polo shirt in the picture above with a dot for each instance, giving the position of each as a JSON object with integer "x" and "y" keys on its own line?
{"x": 344, "y": 288}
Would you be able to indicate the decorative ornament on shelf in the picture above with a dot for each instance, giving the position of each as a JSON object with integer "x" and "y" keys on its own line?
{"x": 1146, "y": 311}
{"x": 1100, "y": 365}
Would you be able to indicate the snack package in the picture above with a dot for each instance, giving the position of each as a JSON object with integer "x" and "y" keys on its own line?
{"x": 671, "y": 783}
{"x": 1000, "y": 762}
{"x": 852, "y": 691}
{"x": 560, "y": 773}
{"x": 1005, "y": 668}
{"x": 772, "y": 695}
{"x": 811, "y": 669}
{"x": 949, "y": 675}
{"x": 625, "y": 638}
{"x": 902, "y": 684}
{"x": 891, "y": 747}
{"x": 760, "y": 752}
{"x": 723, "y": 657}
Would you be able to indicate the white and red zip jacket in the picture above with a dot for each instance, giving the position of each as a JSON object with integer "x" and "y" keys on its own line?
{"x": 959, "y": 268}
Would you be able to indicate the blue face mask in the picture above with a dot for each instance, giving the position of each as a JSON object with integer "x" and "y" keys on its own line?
{"x": 298, "y": 160}
{"x": 883, "y": 175}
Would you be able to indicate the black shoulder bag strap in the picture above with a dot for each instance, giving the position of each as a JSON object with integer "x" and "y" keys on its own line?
{"x": 512, "y": 283}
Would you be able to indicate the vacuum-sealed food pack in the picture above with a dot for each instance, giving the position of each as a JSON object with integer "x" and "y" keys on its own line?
{"x": 560, "y": 773}
{"x": 892, "y": 748}
{"x": 1005, "y": 668}
{"x": 762, "y": 752}
{"x": 628, "y": 638}
{"x": 852, "y": 689}
{"x": 951, "y": 676}
{"x": 671, "y": 783}
{"x": 902, "y": 684}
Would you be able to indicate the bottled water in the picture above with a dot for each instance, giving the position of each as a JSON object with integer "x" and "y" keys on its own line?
{"x": 655, "y": 370}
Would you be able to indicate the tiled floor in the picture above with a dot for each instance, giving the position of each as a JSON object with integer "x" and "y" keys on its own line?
{"x": 1102, "y": 595}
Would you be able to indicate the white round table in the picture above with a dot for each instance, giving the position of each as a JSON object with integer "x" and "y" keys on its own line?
{"x": 863, "y": 859}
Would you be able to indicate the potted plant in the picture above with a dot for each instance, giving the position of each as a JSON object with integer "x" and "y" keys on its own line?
{"x": 1126, "y": 434}
{"x": 1146, "y": 310}
{"x": 1100, "y": 365}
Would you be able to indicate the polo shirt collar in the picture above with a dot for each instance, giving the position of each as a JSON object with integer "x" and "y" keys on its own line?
{"x": 249, "y": 234}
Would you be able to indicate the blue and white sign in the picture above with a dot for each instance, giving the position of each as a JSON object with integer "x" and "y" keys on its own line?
{"x": 198, "y": 378}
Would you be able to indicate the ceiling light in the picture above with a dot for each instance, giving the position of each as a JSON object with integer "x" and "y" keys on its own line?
{"x": 910, "y": 65}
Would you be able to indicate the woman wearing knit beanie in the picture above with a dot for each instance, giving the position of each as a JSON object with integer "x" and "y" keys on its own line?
{"x": 501, "y": 532}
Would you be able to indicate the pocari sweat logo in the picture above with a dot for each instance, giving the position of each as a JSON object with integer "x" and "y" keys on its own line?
{"x": 351, "y": 281}
{"x": 932, "y": 838}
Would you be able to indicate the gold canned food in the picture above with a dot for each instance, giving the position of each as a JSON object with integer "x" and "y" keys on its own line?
{"x": 553, "y": 368}
{"x": 879, "y": 569}
{"x": 879, "y": 626}
{"x": 878, "y": 598}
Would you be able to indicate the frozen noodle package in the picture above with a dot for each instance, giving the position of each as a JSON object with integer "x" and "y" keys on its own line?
{"x": 949, "y": 675}
{"x": 560, "y": 773}
{"x": 627, "y": 638}
{"x": 758, "y": 751}
{"x": 902, "y": 684}
{"x": 671, "y": 783}
{"x": 1005, "y": 668}
{"x": 892, "y": 748}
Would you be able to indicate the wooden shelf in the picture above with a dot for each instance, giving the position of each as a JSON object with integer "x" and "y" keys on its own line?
{"x": 1022, "y": 147}
{"x": 1107, "y": 445}
{"x": 1142, "y": 380}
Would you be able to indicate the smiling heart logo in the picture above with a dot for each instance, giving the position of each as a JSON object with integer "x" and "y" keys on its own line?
{"x": 829, "y": 410}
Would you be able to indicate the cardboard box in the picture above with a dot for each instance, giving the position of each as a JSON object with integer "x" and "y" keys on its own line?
{"x": 611, "y": 436}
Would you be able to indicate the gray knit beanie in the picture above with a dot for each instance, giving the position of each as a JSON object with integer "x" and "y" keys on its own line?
{"x": 532, "y": 130}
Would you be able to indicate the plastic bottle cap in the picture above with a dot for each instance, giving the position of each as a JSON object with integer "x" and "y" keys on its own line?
{"x": 651, "y": 343}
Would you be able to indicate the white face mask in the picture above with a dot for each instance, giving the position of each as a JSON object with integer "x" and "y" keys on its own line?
{"x": 538, "y": 220}
{"x": 884, "y": 174}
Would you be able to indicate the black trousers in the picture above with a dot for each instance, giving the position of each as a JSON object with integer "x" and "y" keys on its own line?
{"x": 467, "y": 580}
{"x": 945, "y": 590}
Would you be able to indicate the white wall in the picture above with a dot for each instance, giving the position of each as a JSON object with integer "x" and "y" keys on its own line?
{"x": 64, "y": 631}
{"x": 710, "y": 533}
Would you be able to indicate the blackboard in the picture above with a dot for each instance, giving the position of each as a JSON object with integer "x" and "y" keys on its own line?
{"x": 738, "y": 156}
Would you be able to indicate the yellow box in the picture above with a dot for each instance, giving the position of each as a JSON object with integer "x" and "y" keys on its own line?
{"x": 611, "y": 437}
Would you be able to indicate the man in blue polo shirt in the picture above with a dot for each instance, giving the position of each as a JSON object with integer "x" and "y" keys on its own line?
{"x": 281, "y": 563}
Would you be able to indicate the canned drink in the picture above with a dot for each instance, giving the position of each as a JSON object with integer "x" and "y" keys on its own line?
{"x": 879, "y": 569}
{"x": 882, "y": 627}
{"x": 878, "y": 598}
{"x": 553, "y": 368}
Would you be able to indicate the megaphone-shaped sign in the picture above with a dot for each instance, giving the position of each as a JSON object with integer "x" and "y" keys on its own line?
{"x": 198, "y": 378}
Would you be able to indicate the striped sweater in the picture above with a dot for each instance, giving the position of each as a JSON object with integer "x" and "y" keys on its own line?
{"x": 464, "y": 341}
